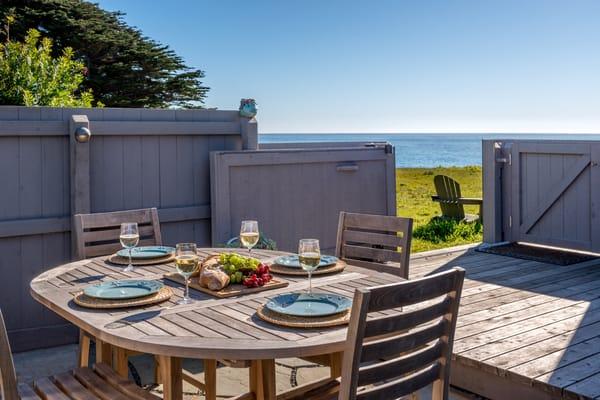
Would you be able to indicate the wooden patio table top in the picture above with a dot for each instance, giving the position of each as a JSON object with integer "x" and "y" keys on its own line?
{"x": 210, "y": 328}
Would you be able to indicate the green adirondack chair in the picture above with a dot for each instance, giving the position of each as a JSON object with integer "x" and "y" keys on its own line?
{"x": 451, "y": 200}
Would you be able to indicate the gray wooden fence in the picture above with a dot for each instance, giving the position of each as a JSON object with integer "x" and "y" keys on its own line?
{"x": 542, "y": 191}
{"x": 136, "y": 158}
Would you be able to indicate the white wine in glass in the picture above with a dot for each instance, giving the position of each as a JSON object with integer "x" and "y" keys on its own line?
{"x": 249, "y": 234}
{"x": 129, "y": 238}
{"x": 309, "y": 255}
{"x": 186, "y": 263}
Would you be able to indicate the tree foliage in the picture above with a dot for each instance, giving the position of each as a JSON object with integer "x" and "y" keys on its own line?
{"x": 31, "y": 76}
{"x": 125, "y": 68}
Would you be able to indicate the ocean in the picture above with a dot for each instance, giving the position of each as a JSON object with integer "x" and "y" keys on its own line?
{"x": 423, "y": 150}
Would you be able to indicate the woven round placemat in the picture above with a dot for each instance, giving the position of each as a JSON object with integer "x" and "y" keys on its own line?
{"x": 303, "y": 322}
{"x": 328, "y": 269}
{"x": 115, "y": 259}
{"x": 91, "y": 302}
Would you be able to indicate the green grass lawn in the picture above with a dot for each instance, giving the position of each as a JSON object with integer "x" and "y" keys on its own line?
{"x": 413, "y": 197}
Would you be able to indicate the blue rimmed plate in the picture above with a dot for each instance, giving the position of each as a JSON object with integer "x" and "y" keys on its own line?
{"x": 303, "y": 305}
{"x": 126, "y": 289}
{"x": 292, "y": 261}
{"x": 147, "y": 252}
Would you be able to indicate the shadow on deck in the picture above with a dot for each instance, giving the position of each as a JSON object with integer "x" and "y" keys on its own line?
{"x": 526, "y": 329}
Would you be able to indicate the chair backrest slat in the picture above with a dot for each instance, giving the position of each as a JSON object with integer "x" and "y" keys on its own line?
{"x": 376, "y": 240}
{"x": 410, "y": 346}
{"x": 413, "y": 291}
{"x": 389, "y": 347}
{"x": 394, "y": 368}
{"x": 8, "y": 375}
{"x": 98, "y": 234}
{"x": 408, "y": 319}
{"x": 404, "y": 386}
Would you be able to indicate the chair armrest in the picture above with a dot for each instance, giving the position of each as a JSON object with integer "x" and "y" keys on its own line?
{"x": 470, "y": 200}
{"x": 435, "y": 198}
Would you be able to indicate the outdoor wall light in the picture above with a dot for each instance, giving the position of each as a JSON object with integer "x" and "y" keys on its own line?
{"x": 82, "y": 134}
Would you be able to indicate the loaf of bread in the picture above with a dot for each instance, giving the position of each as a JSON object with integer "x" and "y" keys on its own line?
{"x": 208, "y": 261}
{"x": 211, "y": 275}
{"x": 213, "y": 278}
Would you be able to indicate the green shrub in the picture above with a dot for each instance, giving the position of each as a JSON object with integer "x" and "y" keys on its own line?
{"x": 441, "y": 229}
{"x": 31, "y": 76}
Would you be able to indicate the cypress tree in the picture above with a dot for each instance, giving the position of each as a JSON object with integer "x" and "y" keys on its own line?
{"x": 124, "y": 68}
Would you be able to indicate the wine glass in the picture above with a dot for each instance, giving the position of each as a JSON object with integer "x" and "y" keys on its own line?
{"x": 186, "y": 262}
{"x": 129, "y": 238}
{"x": 309, "y": 256}
{"x": 249, "y": 234}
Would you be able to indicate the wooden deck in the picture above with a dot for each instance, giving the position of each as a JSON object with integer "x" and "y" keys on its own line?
{"x": 526, "y": 329}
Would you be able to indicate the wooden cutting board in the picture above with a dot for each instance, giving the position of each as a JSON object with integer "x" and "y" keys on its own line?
{"x": 229, "y": 291}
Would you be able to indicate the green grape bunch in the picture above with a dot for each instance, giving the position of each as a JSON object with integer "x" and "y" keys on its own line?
{"x": 237, "y": 266}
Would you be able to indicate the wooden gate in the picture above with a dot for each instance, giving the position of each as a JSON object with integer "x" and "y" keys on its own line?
{"x": 552, "y": 195}
{"x": 299, "y": 192}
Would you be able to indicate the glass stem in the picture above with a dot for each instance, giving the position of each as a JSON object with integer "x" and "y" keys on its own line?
{"x": 130, "y": 257}
{"x": 187, "y": 288}
{"x": 310, "y": 283}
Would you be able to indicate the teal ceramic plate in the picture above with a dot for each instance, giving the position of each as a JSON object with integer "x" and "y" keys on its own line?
{"x": 147, "y": 252}
{"x": 129, "y": 289}
{"x": 292, "y": 261}
{"x": 303, "y": 305}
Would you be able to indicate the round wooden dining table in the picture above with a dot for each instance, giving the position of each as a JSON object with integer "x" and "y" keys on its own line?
{"x": 210, "y": 328}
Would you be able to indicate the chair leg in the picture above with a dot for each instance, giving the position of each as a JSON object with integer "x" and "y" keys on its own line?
{"x": 438, "y": 389}
{"x": 83, "y": 356}
{"x": 210, "y": 379}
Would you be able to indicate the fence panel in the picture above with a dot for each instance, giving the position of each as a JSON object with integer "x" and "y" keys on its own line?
{"x": 136, "y": 158}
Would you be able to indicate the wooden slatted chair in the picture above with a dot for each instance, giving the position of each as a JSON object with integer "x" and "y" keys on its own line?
{"x": 373, "y": 241}
{"x": 98, "y": 234}
{"x": 99, "y": 382}
{"x": 393, "y": 355}
{"x": 451, "y": 201}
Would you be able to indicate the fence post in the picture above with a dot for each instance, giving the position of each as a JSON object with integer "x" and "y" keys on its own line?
{"x": 80, "y": 169}
{"x": 492, "y": 192}
{"x": 249, "y": 130}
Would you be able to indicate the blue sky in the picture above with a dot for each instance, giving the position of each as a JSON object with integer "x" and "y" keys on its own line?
{"x": 391, "y": 66}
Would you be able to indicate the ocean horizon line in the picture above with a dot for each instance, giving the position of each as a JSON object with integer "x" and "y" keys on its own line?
{"x": 429, "y": 133}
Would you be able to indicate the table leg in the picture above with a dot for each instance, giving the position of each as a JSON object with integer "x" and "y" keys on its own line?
{"x": 268, "y": 379}
{"x": 83, "y": 355}
{"x": 171, "y": 376}
{"x": 210, "y": 379}
{"x": 104, "y": 353}
{"x": 121, "y": 362}
{"x": 256, "y": 380}
{"x": 335, "y": 364}
{"x": 262, "y": 379}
